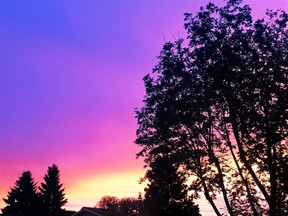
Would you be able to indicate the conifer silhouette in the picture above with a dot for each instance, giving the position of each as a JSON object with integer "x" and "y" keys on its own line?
{"x": 22, "y": 199}
{"x": 52, "y": 193}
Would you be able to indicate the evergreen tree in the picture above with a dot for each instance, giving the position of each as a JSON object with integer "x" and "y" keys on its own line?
{"x": 52, "y": 193}
{"x": 22, "y": 199}
{"x": 167, "y": 193}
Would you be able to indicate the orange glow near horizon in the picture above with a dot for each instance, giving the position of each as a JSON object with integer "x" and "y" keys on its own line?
{"x": 88, "y": 191}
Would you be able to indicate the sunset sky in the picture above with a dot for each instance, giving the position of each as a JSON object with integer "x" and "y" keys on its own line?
{"x": 70, "y": 77}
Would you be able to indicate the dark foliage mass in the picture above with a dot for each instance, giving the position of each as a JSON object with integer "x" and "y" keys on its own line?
{"x": 127, "y": 204}
{"x": 108, "y": 202}
{"x": 52, "y": 193}
{"x": 24, "y": 198}
{"x": 167, "y": 194}
{"x": 216, "y": 107}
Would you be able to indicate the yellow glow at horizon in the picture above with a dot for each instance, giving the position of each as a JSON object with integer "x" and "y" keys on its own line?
{"x": 88, "y": 191}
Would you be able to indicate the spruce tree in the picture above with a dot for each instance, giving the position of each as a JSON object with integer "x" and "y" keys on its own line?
{"x": 52, "y": 193}
{"x": 167, "y": 193}
{"x": 22, "y": 199}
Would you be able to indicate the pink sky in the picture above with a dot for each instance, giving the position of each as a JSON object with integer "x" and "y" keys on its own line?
{"x": 71, "y": 76}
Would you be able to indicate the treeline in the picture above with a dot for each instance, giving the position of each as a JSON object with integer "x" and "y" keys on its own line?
{"x": 127, "y": 204}
{"x": 152, "y": 205}
{"x": 25, "y": 198}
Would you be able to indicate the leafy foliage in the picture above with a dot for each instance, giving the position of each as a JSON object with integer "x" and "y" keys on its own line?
{"x": 127, "y": 204}
{"x": 219, "y": 106}
{"x": 108, "y": 202}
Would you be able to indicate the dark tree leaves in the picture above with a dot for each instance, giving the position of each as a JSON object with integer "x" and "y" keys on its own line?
{"x": 218, "y": 106}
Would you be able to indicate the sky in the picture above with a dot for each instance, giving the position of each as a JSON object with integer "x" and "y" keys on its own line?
{"x": 70, "y": 77}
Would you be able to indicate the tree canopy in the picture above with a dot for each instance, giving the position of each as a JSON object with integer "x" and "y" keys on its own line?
{"x": 217, "y": 102}
{"x": 108, "y": 202}
{"x": 52, "y": 193}
{"x": 22, "y": 199}
{"x": 126, "y": 204}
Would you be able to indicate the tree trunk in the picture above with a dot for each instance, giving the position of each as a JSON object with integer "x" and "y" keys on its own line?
{"x": 240, "y": 148}
{"x": 209, "y": 198}
{"x": 249, "y": 195}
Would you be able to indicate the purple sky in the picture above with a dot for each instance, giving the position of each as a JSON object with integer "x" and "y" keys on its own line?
{"x": 70, "y": 76}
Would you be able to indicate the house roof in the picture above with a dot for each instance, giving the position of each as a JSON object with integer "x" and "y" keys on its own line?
{"x": 69, "y": 213}
{"x": 101, "y": 212}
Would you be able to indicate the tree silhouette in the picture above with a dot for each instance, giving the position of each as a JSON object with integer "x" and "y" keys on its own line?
{"x": 108, "y": 202}
{"x": 126, "y": 204}
{"x": 22, "y": 199}
{"x": 140, "y": 201}
{"x": 52, "y": 193}
{"x": 220, "y": 107}
{"x": 167, "y": 193}
{"x": 129, "y": 205}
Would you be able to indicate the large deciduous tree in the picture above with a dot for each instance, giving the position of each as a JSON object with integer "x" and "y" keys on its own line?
{"x": 22, "y": 199}
{"x": 219, "y": 105}
{"x": 52, "y": 193}
{"x": 108, "y": 202}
